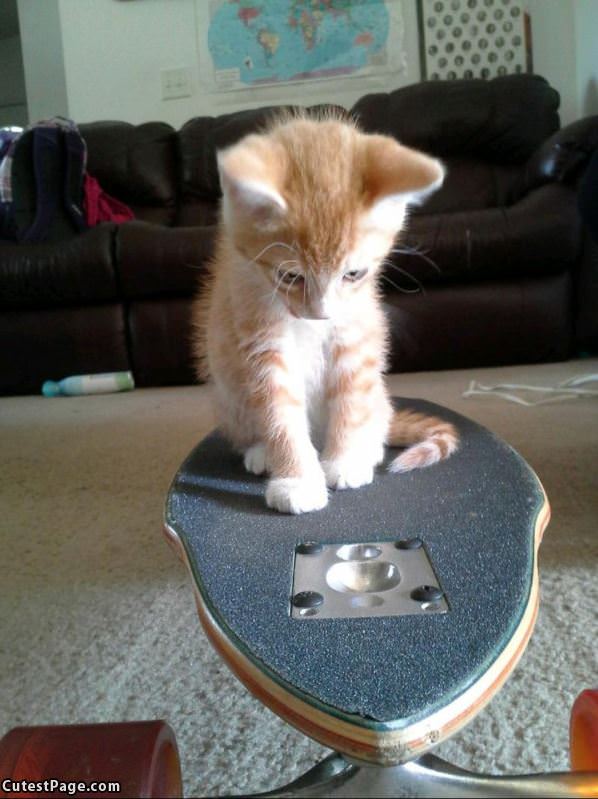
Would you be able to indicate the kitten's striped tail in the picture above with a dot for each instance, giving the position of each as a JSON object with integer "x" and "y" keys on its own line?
{"x": 427, "y": 438}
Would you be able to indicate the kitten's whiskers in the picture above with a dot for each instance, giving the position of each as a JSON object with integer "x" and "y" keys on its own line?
{"x": 399, "y": 288}
{"x": 405, "y": 249}
{"x": 407, "y": 274}
{"x": 269, "y": 246}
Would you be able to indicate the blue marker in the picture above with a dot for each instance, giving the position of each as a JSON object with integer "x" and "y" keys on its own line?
{"x": 104, "y": 383}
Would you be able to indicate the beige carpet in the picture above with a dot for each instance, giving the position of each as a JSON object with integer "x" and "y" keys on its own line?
{"x": 98, "y": 620}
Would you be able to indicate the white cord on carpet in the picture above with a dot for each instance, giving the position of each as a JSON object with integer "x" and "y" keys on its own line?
{"x": 565, "y": 390}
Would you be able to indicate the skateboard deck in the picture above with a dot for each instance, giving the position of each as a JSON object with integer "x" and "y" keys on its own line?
{"x": 377, "y": 687}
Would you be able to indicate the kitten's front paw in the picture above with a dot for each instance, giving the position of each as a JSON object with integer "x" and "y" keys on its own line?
{"x": 348, "y": 472}
{"x": 297, "y": 494}
{"x": 255, "y": 459}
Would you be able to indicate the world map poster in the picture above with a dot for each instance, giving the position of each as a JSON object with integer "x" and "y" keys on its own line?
{"x": 254, "y": 43}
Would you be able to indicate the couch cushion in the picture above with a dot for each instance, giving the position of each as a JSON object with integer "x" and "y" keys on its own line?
{"x": 156, "y": 261}
{"x": 198, "y": 211}
{"x": 160, "y": 338}
{"x": 53, "y": 343}
{"x": 538, "y": 235}
{"x": 74, "y": 272}
{"x": 481, "y": 324}
{"x": 501, "y": 120}
{"x": 451, "y": 327}
{"x": 135, "y": 163}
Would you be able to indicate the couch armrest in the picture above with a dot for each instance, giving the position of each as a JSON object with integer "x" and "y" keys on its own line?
{"x": 75, "y": 272}
{"x": 561, "y": 158}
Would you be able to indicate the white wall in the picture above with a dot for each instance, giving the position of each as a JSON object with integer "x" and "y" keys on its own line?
{"x": 101, "y": 59}
{"x": 586, "y": 24}
{"x": 565, "y": 46}
{"x": 43, "y": 60}
{"x": 13, "y": 101}
{"x": 114, "y": 52}
{"x": 554, "y": 51}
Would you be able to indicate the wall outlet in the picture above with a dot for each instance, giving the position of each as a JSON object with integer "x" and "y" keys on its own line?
{"x": 175, "y": 83}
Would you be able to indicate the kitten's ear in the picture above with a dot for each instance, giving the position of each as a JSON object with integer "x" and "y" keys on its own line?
{"x": 396, "y": 176}
{"x": 248, "y": 178}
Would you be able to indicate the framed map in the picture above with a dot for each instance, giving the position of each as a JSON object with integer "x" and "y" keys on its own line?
{"x": 245, "y": 44}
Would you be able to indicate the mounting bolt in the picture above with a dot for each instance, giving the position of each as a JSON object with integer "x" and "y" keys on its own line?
{"x": 410, "y": 543}
{"x": 427, "y": 593}
{"x": 309, "y": 548}
{"x": 307, "y": 599}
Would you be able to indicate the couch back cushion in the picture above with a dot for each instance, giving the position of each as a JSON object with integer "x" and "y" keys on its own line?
{"x": 501, "y": 120}
{"x": 472, "y": 185}
{"x": 137, "y": 164}
{"x": 483, "y": 130}
{"x": 202, "y": 137}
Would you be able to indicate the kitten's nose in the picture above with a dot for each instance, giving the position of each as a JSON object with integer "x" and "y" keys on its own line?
{"x": 317, "y": 310}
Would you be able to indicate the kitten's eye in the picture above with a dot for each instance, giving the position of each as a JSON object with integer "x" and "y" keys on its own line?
{"x": 354, "y": 275}
{"x": 287, "y": 276}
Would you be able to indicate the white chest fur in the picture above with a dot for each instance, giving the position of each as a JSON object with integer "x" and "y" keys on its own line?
{"x": 307, "y": 348}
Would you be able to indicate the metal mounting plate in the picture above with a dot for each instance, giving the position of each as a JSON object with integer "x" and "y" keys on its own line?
{"x": 379, "y": 578}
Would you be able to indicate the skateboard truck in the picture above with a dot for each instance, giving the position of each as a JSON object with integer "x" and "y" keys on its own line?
{"x": 337, "y": 776}
{"x": 380, "y": 578}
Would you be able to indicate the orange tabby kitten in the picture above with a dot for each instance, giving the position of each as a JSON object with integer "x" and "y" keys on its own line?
{"x": 290, "y": 328}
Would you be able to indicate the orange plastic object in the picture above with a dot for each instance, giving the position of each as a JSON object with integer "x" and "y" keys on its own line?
{"x": 140, "y": 756}
{"x": 584, "y": 732}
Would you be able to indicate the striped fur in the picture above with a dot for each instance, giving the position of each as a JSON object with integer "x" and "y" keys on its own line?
{"x": 289, "y": 326}
{"x": 428, "y": 440}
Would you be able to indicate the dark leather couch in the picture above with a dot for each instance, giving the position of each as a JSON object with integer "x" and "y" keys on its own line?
{"x": 509, "y": 274}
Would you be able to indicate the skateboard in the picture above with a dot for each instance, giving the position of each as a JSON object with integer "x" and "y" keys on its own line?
{"x": 383, "y": 623}
{"x": 379, "y": 626}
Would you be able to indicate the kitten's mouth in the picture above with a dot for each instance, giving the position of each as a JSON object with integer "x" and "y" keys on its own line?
{"x": 306, "y": 316}
{"x": 312, "y": 318}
